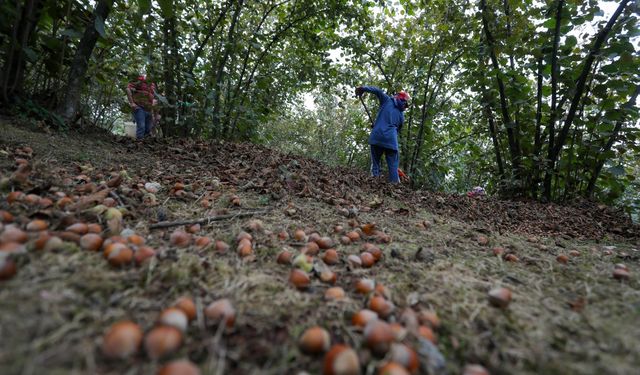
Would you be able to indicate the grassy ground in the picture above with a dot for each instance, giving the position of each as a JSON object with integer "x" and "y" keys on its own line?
{"x": 564, "y": 319}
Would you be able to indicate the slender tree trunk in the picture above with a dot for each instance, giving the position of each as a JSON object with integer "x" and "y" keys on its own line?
{"x": 21, "y": 37}
{"x": 554, "y": 93}
{"x": 245, "y": 62}
{"x": 426, "y": 113}
{"x": 486, "y": 101}
{"x": 405, "y": 148}
{"x": 607, "y": 147}
{"x": 537, "y": 145}
{"x": 513, "y": 146}
{"x": 423, "y": 114}
{"x": 274, "y": 40}
{"x": 512, "y": 65}
{"x": 559, "y": 143}
{"x": 177, "y": 69}
{"x": 220, "y": 73}
{"x": 75, "y": 83}
{"x": 169, "y": 110}
{"x": 572, "y": 170}
{"x": 63, "y": 53}
{"x": 494, "y": 138}
{"x": 212, "y": 30}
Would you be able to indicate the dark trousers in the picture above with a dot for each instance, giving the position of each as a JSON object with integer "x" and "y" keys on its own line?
{"x": 393, "y": 161}
{"x": 144, "y": 122}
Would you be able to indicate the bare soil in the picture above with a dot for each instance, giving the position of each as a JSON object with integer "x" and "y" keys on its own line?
{"x": 564, "y": 318}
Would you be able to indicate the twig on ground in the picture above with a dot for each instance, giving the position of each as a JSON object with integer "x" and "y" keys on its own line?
{"x": 115, "y": 196}
{"x": 206, "y": 220}
{"x": 165, "y": 201}
{"x": 198, "y": 200}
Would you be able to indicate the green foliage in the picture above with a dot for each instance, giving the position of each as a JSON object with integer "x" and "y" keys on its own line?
{"x": 243, "y": 67}
{"x": 31, "y": 109}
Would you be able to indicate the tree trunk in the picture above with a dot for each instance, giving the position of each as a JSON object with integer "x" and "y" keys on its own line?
{"x": 435, "y": 91}
{"x": 21, "y": 37}
{"x": 212, "y": 29}
{"x": 217, "y": 88}
{"x": 245, "y": 64}
{"x": 69, "y": 106}
{"x": 276, "y": 38}
{"x": 169, "y": 74}
{"x": 537, "y": 145}
{"x": 423, "y": 114}
{"x": 554, "y": 96}
{"x": 405, "y": 144}
{"x": 559, "y": 143}
{"x": 494, "y": 139}
{"x": 513, "y": 146}
{"x": 614, "y": 135}
{"x": 512, "y": 65}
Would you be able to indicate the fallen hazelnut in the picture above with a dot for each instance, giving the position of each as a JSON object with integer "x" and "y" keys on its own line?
{"x": 91, "y": 242}
{"x": 314, "y": 340}
{"x": 162, "y": 340}
{"x": 362, "y": 317}
{"x": 284, "y": 257}
{"x": 499, "y": 297}
{"x": 122, "y": 340}
{"x": 299, "y": 279}
{"x": 180, "y": 238}
{"x": 392, "y": 368}
{"x": 381, "y": 306}
{"x": 330, "y": 257}
{"x": 179, "y": 367}
{"x": 187, "y": 306}
{"x": 341, "y": 360}
{"x": 378, "y": 337}
{"x": 334, "y": 293}
{"x": 221, "y": 311}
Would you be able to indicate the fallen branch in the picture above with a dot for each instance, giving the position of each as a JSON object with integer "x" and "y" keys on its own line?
{"x": 206, "y": 220}
{"x": 115, "y": 196}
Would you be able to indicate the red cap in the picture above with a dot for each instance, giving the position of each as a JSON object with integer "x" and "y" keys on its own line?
{"x": 402, "y": 95}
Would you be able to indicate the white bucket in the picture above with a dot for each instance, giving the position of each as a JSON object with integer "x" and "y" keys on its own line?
{"x": 130, "y": 129}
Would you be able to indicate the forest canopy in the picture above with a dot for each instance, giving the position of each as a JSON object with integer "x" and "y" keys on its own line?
{"x": 534, "y": 99}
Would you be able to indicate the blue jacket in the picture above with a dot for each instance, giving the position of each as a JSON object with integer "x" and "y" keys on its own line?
{"x": 388, "y": 122}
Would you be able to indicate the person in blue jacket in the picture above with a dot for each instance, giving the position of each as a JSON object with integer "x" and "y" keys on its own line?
{"x": 384, "y": 135}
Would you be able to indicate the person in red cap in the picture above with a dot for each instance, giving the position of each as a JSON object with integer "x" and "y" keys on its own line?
{"x": 384, "y": 135}
{"x": 141, "y": 94}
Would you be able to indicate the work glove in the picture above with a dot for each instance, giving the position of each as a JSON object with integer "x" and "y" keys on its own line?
{"x": 402, "y": 175}
{"x": 359, "y": 91}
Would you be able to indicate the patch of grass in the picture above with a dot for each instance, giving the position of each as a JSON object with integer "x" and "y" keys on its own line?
{"x": 54, "y": 312}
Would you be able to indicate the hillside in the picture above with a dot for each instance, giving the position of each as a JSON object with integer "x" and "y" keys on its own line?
{"x": 440, "y": 254}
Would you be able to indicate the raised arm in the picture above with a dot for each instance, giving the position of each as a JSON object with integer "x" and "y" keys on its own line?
{"x": 382, "y": 97}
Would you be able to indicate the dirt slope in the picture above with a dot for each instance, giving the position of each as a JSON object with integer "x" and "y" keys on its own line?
{"x": 438, "y": 256}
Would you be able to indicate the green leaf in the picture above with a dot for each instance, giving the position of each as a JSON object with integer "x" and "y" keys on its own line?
{"x": 613, "y": 115}
{"x": 550, "y": 23}
{"x": 571, "y": 41}
{"x": 610, "y": 69}
{"x": 144, "y": 6}
{"x": 166, "y": 7}
{"x": 162, "y": 99}
{"x": 600, "y": 91}
{"x": 71, "y": 33}
{"x": 100, "y": 27}
{"x": 32, "y": 56}
{"x": 617, "y": 171}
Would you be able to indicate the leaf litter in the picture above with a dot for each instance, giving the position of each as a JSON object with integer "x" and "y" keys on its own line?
{"x": 438, "y": 255}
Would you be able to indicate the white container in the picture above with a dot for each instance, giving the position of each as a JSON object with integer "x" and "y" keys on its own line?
{"x": 130, "y": 129}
